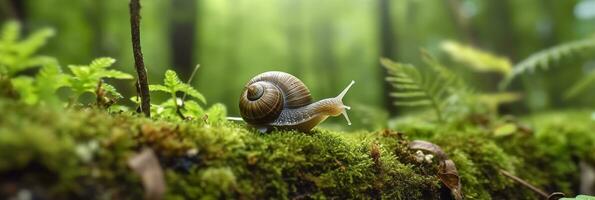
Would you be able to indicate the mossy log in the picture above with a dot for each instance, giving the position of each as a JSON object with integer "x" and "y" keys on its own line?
{"x": 83, "y": 154}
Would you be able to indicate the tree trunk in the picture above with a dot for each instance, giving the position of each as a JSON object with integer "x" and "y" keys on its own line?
{"x": 182, "y": 36}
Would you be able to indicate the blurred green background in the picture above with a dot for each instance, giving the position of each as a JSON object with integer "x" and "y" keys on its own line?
{"x": 325, "y": 43}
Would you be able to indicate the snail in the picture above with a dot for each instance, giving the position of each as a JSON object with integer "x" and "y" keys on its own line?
{"x": 280, "y": 100}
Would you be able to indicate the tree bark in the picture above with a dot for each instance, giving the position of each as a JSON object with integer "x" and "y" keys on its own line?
{"x": 143, "y": 83}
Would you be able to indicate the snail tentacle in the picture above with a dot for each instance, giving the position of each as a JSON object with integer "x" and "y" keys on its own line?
{"x": 340, "y": 97}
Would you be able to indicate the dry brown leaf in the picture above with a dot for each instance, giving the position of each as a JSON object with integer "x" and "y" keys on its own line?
{"x": 428, "y": 147}
{"x": 447, "y": 171}
{"x": 146, "y": 165}
{"x": 449, "y": 175}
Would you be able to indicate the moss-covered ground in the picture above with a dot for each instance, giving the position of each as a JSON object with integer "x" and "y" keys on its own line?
{"x": 82, "y": 153}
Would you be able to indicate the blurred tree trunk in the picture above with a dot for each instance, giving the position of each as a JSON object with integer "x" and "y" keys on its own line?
{"x": 326, "y": 55}
{"x": 95, "y": 16}
{"x": 387, "y": 42}
{"x": 294, "y": 37}
{"x": 12, "y": 9}
{"x": 461, "y": 22}
{"x": 182, "y": 36}
{"x": 501, "y": 20}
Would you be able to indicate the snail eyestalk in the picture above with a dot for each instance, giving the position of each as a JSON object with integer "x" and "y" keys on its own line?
{"x": 344, "y": 107}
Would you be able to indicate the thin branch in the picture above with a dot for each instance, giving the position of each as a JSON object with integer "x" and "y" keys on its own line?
{"x": 190, "y": 79}
{"x": 179, "y": 106}
{"x": 143, "y": 82}
{"x": 524, "y": 183}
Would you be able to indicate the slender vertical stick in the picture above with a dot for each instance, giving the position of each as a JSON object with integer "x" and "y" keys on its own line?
{"x": 143, "y": 83}
{"x": 190, "y": 79}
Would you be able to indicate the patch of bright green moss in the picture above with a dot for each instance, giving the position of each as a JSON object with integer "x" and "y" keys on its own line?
{"x": 83, "y": 153}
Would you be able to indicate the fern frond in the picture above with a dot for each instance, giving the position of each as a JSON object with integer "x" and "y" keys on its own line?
{"x": 414, "y": 88}
{"x": 173, "y": 85}
{"x": 34, "y": 42}
{"x": 544, "y": 58}
{"x": 438, "y": 87}
{"x": 10, "y": 32}
{"x": 85, "y": 77}
{"x": 580, "y": 85}
{"x": 159, "y": 88}
{"x": 104, "y": 62}
{"x": 17, "y": 54}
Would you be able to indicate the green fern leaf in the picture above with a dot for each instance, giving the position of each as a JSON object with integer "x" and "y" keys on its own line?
{"x": 86, "y": 77}
{"x": 217, "y": 113}
{"x": 544, "y": 58}
{"x": 112, "y": 90}
{"x": 439, "y": 88}
{"x": 17, "y": 55}
{"x": 159, "y": 88}
{"x": 26, "y": 89}
{"x": 116, "y": 74}
{"x": 104, "y": 62}
{"x": 10, "y": 32}
{"x": 189, "y": 90}
{"x": 51, "y": 76}
{"x": 192, "y": 108}
{"x": 413, "y": 88}
{"x": 171, "y": 79}
{"x": 173, "y": 84}
{"x": 580, "y": 86}
{"x": 34, "y": 42}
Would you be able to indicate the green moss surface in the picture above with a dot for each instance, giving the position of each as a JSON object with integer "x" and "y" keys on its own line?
{"x": 83, "y": 153}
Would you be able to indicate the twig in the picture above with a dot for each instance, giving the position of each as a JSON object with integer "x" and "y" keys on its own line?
{"x": 190, "y": 79}
{"x": 179, "y": 107}
{"x": 143, "y": 83}
{"x": 524, "y": 183}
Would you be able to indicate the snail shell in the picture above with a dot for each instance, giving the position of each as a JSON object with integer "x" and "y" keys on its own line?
{"x": 278, "y": 99}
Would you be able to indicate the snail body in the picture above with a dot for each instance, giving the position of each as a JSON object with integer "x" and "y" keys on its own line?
{"x": 280, "y": 100}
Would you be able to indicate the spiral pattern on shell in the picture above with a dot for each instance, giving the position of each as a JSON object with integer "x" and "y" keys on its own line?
{"x": 266, "y": 95}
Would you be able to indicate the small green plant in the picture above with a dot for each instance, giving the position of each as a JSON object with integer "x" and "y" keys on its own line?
{"x": 18, "y": 54}
{"x": 175, "y": 107}
{"x": 172, "y": 85}
{"x": 86, "y": 77}
{"x": 438, "y": 88}
{"x": 49, "y": 79}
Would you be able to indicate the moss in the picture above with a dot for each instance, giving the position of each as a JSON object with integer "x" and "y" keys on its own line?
{"x": 82, "y": 153}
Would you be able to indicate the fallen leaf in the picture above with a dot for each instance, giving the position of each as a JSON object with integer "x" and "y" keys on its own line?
{"x": 448, "y": 174}
{"x": 146, "y": 165}
{"x": 429, "y": 147}
{"x": 447, "y": 171}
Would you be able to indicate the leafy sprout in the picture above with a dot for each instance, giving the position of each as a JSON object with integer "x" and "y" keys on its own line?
{"x": 86, "y": 77}
{"x": 49, "y": 79}
{"x": 173, "y": 85}
{"x": 17, "y": 54}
